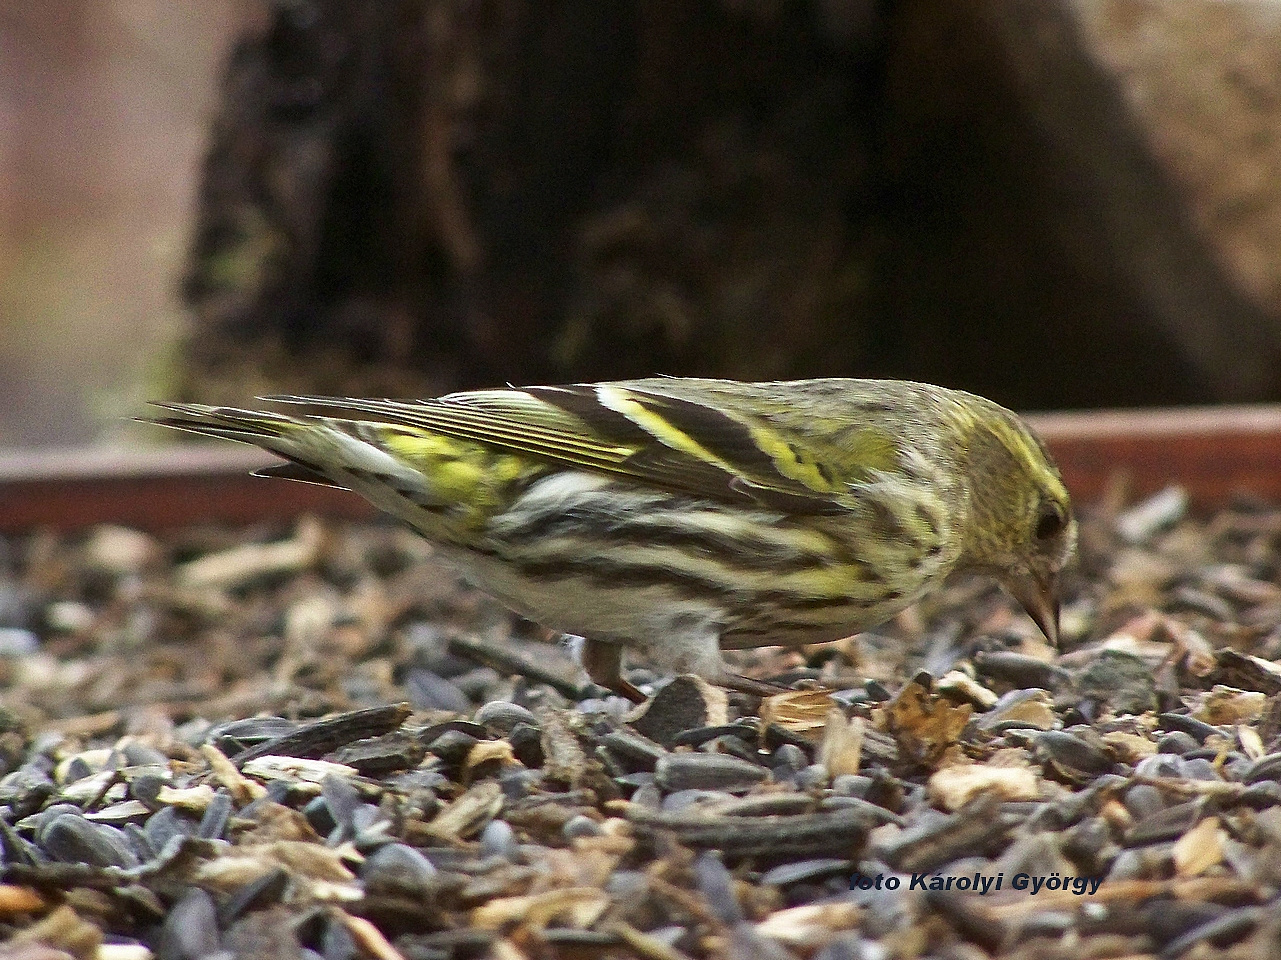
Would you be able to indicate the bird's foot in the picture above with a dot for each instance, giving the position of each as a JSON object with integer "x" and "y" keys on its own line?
{"x": 604, "y": 665}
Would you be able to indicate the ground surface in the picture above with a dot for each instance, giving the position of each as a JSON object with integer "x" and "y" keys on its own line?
{"x": 269, "y": 741}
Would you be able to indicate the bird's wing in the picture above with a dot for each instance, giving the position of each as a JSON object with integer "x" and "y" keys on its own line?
{"x": 637, "y": 431}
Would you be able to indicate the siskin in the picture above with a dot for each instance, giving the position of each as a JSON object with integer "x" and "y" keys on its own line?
{"x": 676, "y": 517}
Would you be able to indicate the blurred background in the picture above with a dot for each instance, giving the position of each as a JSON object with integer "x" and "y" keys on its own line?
{"x": 1057, "y": 203}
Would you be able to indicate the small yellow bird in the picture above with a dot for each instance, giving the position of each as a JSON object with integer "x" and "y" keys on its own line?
{"x": 676, "y": 517}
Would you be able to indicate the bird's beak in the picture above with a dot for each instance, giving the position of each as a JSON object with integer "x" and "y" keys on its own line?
{"x": 1040, "y": 598}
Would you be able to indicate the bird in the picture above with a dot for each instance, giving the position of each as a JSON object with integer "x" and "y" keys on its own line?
{"x": 677, "y": 517}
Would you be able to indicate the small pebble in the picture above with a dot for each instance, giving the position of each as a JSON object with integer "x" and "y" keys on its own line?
{"x": 504, "y": 715}
{"x": 73, "y": 839}
{"x": 811, "y": 777}
{"x": 190, "y": 928}
{"x": 16, "y": 642}
{"x": 788, "y": 758}
{"x": 707, "y": 771}
{"x": 498, "y": 840}
{"x": 1176, "y": 742}
{"x": 397, "y": 868}
{"x": 1158, "y": 512}
{"x": 430, "y": 691}
{"x": 581, "y": 826}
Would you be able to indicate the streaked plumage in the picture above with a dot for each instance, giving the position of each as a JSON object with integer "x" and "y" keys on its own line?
{"x": 679, "y": 516}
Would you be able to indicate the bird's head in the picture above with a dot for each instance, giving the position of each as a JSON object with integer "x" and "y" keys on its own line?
{"x": 1020, "y": 527}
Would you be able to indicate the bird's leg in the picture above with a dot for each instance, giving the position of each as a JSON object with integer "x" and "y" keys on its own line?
{"x": 604, "y": 664}
{"x": 696, "y": 652}
{"x": 694, "y": 647}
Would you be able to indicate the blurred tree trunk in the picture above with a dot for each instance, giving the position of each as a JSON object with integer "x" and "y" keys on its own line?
{"x": 415, "y": 195}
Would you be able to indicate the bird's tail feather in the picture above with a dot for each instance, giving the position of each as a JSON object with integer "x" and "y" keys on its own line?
{"x": 275, "y": 432}
{"x": 348, "y": 454}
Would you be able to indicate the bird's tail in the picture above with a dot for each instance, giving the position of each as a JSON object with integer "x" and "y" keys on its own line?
{"x": 289, "y": 437}
{"x": 364, "y": 456}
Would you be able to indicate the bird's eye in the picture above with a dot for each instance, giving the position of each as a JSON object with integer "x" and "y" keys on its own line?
{"x": 1050, "y": 521}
